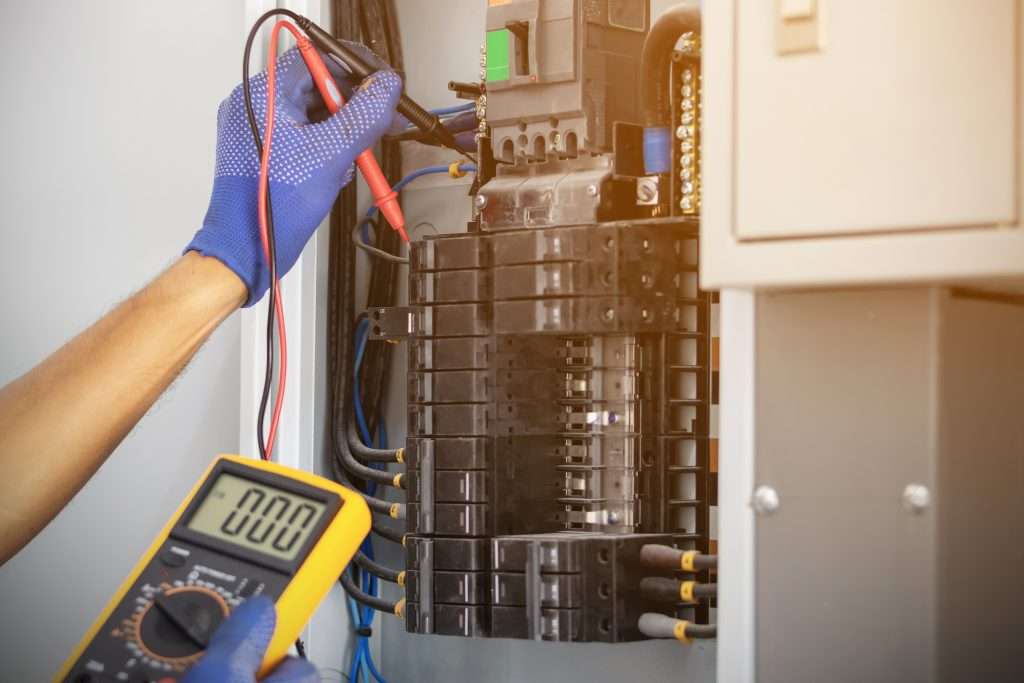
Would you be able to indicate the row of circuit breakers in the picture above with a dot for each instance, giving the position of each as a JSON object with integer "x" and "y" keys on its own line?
{"x": 559, "y": 352}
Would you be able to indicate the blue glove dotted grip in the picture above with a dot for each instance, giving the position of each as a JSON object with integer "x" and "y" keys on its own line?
{"x": 309, "y": 164}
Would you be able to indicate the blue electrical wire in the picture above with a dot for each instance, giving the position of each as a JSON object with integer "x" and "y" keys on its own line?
{"x": 362, "y": 661}
{"x": 418, "y": 173}
{"x": 361, "y": 337}
{"x": 454, "y": 109}
{"x": 361, "y": 616}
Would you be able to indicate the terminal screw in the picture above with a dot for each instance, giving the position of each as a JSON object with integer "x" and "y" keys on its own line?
{"x": 765, "y": 500}
{"x": 480, "y": 201}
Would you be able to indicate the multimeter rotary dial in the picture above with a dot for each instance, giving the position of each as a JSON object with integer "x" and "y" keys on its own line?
{"x": 176, "y": 624}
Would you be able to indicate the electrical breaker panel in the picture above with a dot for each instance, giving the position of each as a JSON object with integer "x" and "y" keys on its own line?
{"x": 559, "y": 353}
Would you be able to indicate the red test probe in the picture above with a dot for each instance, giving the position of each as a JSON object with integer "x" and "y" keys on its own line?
{"x": 384, "y": 197}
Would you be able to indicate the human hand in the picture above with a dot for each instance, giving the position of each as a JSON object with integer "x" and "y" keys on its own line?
{"x": 310, "y": 161}
{"x": 236, "y": 650}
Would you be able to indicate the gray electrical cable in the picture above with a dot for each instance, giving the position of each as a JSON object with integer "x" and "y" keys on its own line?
{"x": 655, "y": 625}
{"x": 673, "y": 559}
{"x": 374, "y": 251}
{"x": 670, "y": 590}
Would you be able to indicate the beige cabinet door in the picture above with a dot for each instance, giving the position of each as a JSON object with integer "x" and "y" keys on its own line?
{"x": 887, "y": 125}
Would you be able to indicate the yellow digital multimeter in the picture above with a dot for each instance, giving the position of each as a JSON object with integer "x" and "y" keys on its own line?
{"x": 247, "y": 528}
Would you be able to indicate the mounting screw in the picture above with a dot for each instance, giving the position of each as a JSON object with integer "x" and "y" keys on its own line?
{"x": 592, "y": 190}
{"x": 613, "y": 517}
{"x": 480, "y": 201}
{"x": 765, "y": 500}
{"x": 916, "y": 497}
{"x": 609, "y": 314}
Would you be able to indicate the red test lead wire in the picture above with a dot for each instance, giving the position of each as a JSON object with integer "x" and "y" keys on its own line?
{"x": 262, "y": 214}
{"x": 384, "y": 197}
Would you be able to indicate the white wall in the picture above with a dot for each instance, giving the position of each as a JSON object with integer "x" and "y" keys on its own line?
{"x": 108, "y": 130}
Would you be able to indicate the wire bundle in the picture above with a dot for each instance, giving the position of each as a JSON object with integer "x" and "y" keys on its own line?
{"x": 670, "y": 590}
{"x": 275, "y": 311}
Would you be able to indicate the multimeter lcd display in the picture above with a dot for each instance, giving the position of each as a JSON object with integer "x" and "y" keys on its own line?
{"x": 256, "y": 516}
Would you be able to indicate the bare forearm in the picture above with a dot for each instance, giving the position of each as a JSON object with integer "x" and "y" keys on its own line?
{"x": 60, "y": 421}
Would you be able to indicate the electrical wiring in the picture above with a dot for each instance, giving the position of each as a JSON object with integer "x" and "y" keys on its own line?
{"x": 266, "y": 228}
{"x": 388, "y": 534}
{"x": 655, "y": 625}
{"x": 373, "y": 454}
{"x": 353, "y": 466}
{"x": 364, "y": 598}
{"x": 268, "y": 237}
{"x": 672, "y": 559}
{"x": 357, "y": 441}
{"x": 454, "y": 109}
{"x": 374, "y": 251}
{"x": 379, "y": 476}
{"x": 380, "y": 571}
{"x": 363, "y": 243}
{"x": 362, "y": 619}
{"x": 670, "y": 590}
{"x": 362, "y": 335}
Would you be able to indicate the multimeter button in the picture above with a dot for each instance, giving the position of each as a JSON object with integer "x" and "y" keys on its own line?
{"x": 172, "y": 559}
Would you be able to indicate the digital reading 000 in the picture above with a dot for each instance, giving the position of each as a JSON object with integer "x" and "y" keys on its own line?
{"x": 255, "y": 516}
{"x": 248, "y": 528}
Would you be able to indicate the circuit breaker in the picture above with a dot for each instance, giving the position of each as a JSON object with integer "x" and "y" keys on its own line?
{"x": 560, "y": 374}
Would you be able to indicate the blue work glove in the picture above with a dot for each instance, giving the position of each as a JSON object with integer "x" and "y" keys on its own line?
{"x": 236, "y": 650}
{"x": 310, "y": 162}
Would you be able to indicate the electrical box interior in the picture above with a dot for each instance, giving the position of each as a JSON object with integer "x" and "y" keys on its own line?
{"x": 561, "y": 355}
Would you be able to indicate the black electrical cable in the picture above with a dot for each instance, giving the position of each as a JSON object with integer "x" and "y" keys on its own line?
{"x": 670, "y": 590}
{"x": 271, "y": 242}
{"x": 656, "y": 58}
{"x": 367, "y": 453}
{"x": 341, "y": 314}
{"x": 376, "y": 568}
{"x": 358, "y": 469}
{"x": 379, "y": 27}
{"x": 359, "y": 596}
{"x": 388, "y": 534}
{"x": 701, "y": 631}
{"x": 673, "y": 559}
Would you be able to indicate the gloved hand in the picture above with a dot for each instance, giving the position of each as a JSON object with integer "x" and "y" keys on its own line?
{"x": 236, "y": 650}
{"x": 310, "y": 162}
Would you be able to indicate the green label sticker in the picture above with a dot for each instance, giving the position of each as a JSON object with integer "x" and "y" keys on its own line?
{"x": 499, "y": 68}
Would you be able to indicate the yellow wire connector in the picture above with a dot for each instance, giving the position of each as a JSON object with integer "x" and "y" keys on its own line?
{"x": 679, "y": 631}
{"x": 395, "y": 511}
{"x": 686, "y": 590}
{"x": 397, "y": 481}
{"x": 454, "y": 171}
{"x": 686, "y": 560}
{"x": 400, "y": 608}
{"x": 400, "y": 455}
{"x": 401, "y": 579}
